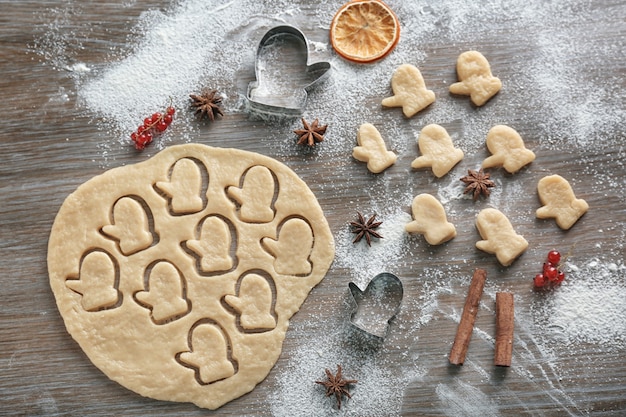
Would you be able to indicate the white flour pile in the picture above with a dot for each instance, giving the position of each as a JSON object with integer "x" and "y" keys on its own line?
{"x": 590, "y": 306}
{"x": 384, "y": 255}
{"x": 208, "y": 43}
{"x": 378, "y": 392}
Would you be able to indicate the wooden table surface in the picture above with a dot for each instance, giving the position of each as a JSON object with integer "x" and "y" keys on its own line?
{"x": 563, "y": 72}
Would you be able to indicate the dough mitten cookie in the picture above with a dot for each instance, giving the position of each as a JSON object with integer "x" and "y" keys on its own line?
{"x": 508, "y": 150}
{"x": 437, "y": 151}
{"x": 409, "y": 91}
{"x": 499, "y": 237}
{"x": 372, "y": 149}
{"x": 475, "y": 78}
{"x": 195, "y": 310}
{"x": 430, "y": 220}
{"x": 559, "y": 201}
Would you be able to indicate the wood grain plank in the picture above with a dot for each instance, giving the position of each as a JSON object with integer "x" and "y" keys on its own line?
{"x": 49, "y": 145}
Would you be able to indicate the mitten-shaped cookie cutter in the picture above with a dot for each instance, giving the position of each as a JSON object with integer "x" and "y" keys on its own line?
{"x": 375, "y": 307}
{"x": 266, "y": 94}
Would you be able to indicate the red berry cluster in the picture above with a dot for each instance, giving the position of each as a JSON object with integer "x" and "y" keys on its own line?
{"x": 552, "y": 275}
{"x": 153, "y": 125}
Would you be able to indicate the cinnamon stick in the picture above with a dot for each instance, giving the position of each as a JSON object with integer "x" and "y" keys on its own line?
{"x": 504, "y": 328}
{"x": 466, "y": 325}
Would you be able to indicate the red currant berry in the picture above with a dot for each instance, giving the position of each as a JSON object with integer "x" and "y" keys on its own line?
{"x": 560, "y": 277}
{"x": 147, "y": 121}
{"x": 139, "y": 144}
{"x": 155, "y": 117}
{"x": 141, "y": 129}
{"x": 133, "y": 136}
{"x": 168, "y": 118}
{"x": 554, "y": 257}
{"x": 161, "y": 126}
{"x": 551, "y": 273}
{"x": 540, "y": 281}
{"x": 170, "y": 110}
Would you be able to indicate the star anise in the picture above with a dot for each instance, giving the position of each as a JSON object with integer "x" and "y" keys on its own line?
{"x": 477, "y": 182}
{"x": 337, "y": 385}
{"x": 207, "y": 104}
{"x": 365, "y": 229}
{"x": 311, "y": 134}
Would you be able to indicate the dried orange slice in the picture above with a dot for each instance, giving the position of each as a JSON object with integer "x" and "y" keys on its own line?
{"x": 364, "y": 30}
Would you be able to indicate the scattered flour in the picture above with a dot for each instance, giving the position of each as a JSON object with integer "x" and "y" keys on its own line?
{"x": 461, "y": 399}
{"x": 207, "y": 43}
{"x": 377, "y": 393}
{"x": 79, "y": 68}
{"x": 590, "y": 306}
{"x": 201, "y": 43}
{"x": 364, "y": 262}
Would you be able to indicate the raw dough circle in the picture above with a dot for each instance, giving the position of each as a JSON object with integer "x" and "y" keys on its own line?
{"x": 177, "y": 276}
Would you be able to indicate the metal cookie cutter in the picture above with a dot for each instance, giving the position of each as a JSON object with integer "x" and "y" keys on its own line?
{"x": 377, "y": 305}
{"x": 283, "y": 76}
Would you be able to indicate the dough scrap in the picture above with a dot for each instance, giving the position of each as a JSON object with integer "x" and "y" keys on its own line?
{"x": 372, "y": 149}
{"x": 559, "y": 201}
{"x": 475, "y": 78}
{"x": 437, "y": 151}
{"x": 409, "y": 91}
{"x": 212, "y": 248}
{"x": 499, "y": 237}
{"x": 508, "y": 149}
{"x": 165, "y": 297}
{"x": 255, "y": 196}
{"x": 291, "y": 249}
{"x": 253, "y": 303}
{"x": 161, "y": 318}
{"x": 430, "y": 220}
{"x": 97, "y": 282}
{"x": 130, "y": 226}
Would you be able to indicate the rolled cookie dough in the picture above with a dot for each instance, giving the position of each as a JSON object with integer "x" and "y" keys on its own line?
{"x": 177, "y": 276}
{"x": 475, "y": 78}
{"x": 437, "y": 151}
{"x": 499, "y": 237}
{"x": 430, "y": 220}
{"x": 559, "y": 201}
{"x": 409, "y": 91}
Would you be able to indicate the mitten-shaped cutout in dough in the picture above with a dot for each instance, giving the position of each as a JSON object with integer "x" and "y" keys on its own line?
{"x": 184, "y": 187}
{"x": 559, "y": 201}
{"x": 292, "y": 248}
{"x": 475, "y": 78}
{"x": 409, "y": 91}
{"x": 499, "y": 237}
{"x": 437, "y": 151}
{"x": 97, "y": 281}
{"x": 253, "y": 303}
{"x": 208, "y": 354}
{"x": 255, "y": 195}
{"x": 165, "y": 294}
{"x": 508, "y": 150}
{"x": 130, "y": 226}
{"x": 430, "y": 220}
{"x": 213, "y": 245}
{"x": 372, "y": 149}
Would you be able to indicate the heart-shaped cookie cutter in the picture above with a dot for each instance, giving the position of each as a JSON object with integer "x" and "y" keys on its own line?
{"x": 374, "y": 308}
{"x": 265, "y": 99}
